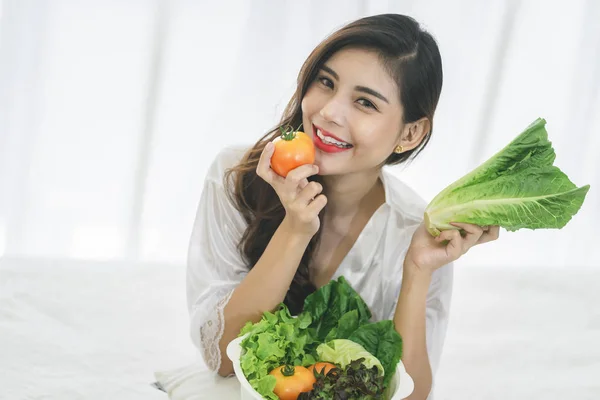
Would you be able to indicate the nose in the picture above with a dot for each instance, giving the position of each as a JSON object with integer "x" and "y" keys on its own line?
{"x": 333, "y": 111}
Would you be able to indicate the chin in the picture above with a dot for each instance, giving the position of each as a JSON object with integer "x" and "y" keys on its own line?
{"x": 329, "y": 170}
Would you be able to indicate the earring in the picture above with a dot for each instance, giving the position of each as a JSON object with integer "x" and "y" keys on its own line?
{"x": 399, "y": 149}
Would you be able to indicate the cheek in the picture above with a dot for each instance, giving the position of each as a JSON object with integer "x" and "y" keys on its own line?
{"x": 303, "y": 106}
{"x": 308, "y": 103}
{"x": 314, "y": 100}
{"x": 306, "y": 113}
{"x": 372, "y": 133}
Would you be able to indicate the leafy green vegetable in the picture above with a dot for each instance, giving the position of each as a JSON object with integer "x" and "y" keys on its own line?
{"x": 343, "y": 351}
{"x": 335, "y": 314}
{"x": 516, "y": 188}
{"x": 276, "y": 339}
{"x": 355, "y": 382}
{"x": 329, "y": 306}
{"x": 383, "y": 341}
{"x": 345, "y": 326}
{"x": 265, "y": 387}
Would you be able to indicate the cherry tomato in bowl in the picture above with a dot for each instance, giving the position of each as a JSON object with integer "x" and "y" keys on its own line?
{"x": 322, "y": 367}
{"x": 291, "y": 381}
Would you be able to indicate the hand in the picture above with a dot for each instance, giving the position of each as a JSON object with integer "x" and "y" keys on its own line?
{"x": 299, "y": 197}
{"x": 426, "y": 253}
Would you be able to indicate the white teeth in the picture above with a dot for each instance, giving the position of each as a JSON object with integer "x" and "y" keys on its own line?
{"x": 330, "y": 140}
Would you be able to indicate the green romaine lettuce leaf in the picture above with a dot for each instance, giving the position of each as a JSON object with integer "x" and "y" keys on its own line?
{"x": 328, "y": 307}
{"x": 383, "y": 341}
{"x": 345, "y": 326}
{"x": 516, "y": 188}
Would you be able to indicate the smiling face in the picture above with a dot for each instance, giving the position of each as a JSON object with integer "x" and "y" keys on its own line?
{"x": 353, "y": 112}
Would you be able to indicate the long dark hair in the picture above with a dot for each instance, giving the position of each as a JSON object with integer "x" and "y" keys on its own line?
{"x": 409, "y": 54}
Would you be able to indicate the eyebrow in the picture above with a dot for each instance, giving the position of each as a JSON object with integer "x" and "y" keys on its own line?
{"x": 363, "y": 89}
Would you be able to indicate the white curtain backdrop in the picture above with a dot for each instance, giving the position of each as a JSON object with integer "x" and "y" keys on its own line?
{"x": 112, "y": 110}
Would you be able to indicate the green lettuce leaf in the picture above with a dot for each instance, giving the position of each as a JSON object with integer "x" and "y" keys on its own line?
{"x": 343, "y": 351}
{"x": 329, "y": 306}
{"x": 265, "y": 386}
{"x": 516, "y": 188}
{"x": 276, "y": 339}
{"x": 383, "y": 341}
{"x": 345, "y": 326}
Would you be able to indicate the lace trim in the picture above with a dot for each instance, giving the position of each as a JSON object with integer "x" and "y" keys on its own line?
{"x": 211, "y": 333}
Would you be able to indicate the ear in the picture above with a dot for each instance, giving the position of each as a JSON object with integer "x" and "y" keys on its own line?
{"x": 413, "y": 133}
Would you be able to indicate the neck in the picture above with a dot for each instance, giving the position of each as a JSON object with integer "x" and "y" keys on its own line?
{"x": 348, "y": 195}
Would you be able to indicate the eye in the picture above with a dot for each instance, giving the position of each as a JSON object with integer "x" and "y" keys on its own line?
{"x": 366, "y": 103}
{"x": 325, "y": 81}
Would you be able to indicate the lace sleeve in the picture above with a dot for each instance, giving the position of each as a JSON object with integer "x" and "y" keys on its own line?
{"x": 210, "y": 325}
{"x": 215, "y": 266}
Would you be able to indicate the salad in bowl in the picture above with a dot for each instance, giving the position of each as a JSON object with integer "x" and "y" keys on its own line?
{"x": 331, "y": 350}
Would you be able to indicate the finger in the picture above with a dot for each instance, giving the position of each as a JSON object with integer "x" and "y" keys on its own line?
{"x": 302, "y": 184}
{"x": 309, "y": 193}
{"x": 263, "y": 168}
{"x": 454, "y": 247}
{"x": 492, "y": 234}
{"x": 317, "y": 204}
{"x": 472, "y": 233}
{"x": 297, "y": 175}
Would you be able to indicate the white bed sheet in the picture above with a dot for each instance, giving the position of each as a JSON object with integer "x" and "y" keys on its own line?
{"x": 85, "y": 330}
{"x": 82, "y": 330}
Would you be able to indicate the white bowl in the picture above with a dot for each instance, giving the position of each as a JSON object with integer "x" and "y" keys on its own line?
{"x": 401, "y": 385}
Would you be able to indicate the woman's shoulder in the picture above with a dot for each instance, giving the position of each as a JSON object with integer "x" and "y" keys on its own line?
{"x": 403, "y": 199}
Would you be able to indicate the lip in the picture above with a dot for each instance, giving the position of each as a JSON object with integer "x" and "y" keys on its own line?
{"x": 327, "y": 148}
{"x": 325, "y": 133}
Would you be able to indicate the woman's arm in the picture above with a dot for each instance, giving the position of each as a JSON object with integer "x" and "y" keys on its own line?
{"x": 268, "y": 281}
{"x": 425, "y": 255}
{"x": 409, "y": 320}
{"x": 265, "y": 286}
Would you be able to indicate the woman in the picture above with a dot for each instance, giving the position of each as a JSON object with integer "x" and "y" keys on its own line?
{"x": 367, "y": 96}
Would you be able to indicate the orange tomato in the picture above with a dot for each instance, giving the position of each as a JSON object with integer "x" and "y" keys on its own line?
{"x": 322, "y": 367}
{"x": 292, "y": 149}
{"x": 291, "y": 381}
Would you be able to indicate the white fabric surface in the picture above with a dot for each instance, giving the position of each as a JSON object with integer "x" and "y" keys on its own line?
{"x": 373, "y": 266}
{"x": 195, "y": 382}
{"x": 82, "y": 330}
{"x": 98, "y": 331}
